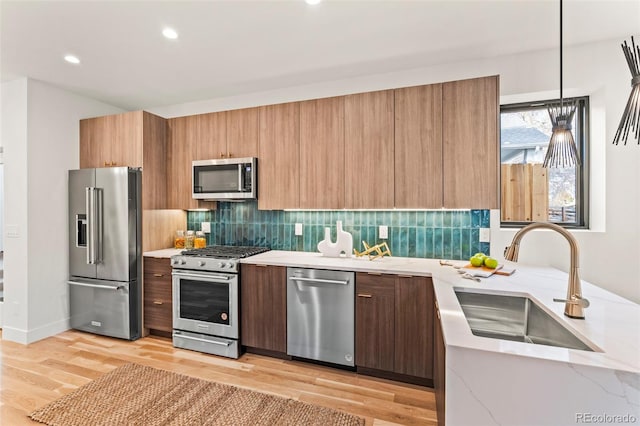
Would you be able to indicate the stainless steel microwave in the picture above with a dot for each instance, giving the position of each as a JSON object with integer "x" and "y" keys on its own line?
{"x": 225, "y": 179}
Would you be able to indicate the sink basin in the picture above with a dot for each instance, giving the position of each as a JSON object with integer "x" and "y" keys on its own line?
{"x": 514, "y": 317}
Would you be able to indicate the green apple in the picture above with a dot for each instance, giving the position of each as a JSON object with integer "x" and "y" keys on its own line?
{"x": 476, "y": 260}
{"x": 490, "y": 263}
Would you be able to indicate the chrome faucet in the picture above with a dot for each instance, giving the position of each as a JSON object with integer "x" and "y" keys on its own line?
{"x": 574, "y": 303}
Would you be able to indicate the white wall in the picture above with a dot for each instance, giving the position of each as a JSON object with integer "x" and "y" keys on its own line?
{"x": 610, "y": 251}
{"x": 41, "y": 144}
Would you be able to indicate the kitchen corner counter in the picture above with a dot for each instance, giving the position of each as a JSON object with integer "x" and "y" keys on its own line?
{"x": 163, "y": 253}
{"x": 491, "y": 381}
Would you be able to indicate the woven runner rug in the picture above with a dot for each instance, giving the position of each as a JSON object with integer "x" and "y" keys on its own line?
{"x": 138, "y": 395}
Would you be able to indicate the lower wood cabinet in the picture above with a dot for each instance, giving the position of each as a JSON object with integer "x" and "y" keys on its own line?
{"x": 158, "y": 313}
{"x": 394, "y": 324}
{"x": 263, "y": 301}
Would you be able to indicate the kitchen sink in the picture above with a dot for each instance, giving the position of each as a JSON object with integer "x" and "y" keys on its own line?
{"x": 516, "y": 318}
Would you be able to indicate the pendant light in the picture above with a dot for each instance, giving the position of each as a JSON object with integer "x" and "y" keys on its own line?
{"x": 562, "y": 152}
{"x": 631, "y": 115}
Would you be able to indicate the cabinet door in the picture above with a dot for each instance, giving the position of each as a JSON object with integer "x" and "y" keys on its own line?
{"x": 127, "y": 143}
{"x": 470, "y": 143}
{"x": 158, "y": 313}
{"x": 180, "y": 144}
{"x": 418, "y": 147}
{"x": 263, "y": 320}
{"x": 439, "y": 367}
{"x": 369, "y": 150}
{"x": 414, "y": 327}
{"x": 279, "y": 164}
{"x": 375, "y": 321}
{"x": 322, "y": 154}
{"x": 154, "y": 159}
{"x": 211, "y": 138}
{"x": 97, "y": 135}
{"x": 242, "y": 133}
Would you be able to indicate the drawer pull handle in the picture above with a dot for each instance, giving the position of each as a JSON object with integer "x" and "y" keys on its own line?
{"x": 261, "y": 266}
{"x": 438, "y": 312}
{"x": 368, "y": 296}
{"x": 158, "y": 275}
{"x": 377, "y": 274}
{"x": 405, "y": 276}
{"x": 157, "y": 302}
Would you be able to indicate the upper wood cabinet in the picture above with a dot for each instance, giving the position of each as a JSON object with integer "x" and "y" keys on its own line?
{"x": 132, "y": 139}
{"x": 210, "y": 135}
{"x": 279, "y": 159}
{"x": 181, "y": 146}
{"x": 418, "y": 147}
{"x": 322, "y": 154}
{"x": 471, "y": 143}
{"x": 242, "y": 133}
{"x": 369, "y": 151}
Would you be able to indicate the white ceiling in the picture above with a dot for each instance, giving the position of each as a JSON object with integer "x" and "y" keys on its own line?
{"x": 227, "y": 48}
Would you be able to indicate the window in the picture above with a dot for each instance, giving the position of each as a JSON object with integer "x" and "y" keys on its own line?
{"x": 531, "y": 193}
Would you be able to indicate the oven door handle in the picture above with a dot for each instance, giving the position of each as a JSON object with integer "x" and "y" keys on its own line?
{"x": 197, "y": 339}
{"x": 202, "y": 276}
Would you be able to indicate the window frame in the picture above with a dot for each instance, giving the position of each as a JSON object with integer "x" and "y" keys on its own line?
{"x": 582, "y": 144}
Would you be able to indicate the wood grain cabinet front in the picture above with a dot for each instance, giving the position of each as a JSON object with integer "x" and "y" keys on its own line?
{"x": 158, "y": 303}
{"x": 132, "y": 139}
{"x": 394, "y": 325}
{"x": 263, "y": 301}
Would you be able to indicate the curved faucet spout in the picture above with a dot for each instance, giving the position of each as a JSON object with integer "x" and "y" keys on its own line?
{"x": 574, "y": 303}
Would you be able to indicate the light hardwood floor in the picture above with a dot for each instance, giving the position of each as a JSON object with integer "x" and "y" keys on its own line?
{"x": 34, "y": 375}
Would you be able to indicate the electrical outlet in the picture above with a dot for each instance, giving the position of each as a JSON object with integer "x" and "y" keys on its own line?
{"x": 205, "y": 227}
{"x": 383, "y": 232}
{"x": 485, "y": 235}
{"x": 13, "y": 231}
{"x": 298, "y": 229}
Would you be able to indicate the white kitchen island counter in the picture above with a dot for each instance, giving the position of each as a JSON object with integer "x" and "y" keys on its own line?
{"x": 499, "y": 382}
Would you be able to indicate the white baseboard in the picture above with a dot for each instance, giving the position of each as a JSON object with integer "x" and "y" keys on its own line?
{"x": 29, "y": 336}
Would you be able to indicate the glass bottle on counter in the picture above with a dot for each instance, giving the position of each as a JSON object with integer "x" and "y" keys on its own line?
{"x": 200, "y": 241}
{"x": 178, "y": 241}
{"x": 188, "y": 241}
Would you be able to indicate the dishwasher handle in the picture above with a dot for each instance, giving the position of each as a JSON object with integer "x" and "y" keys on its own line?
{"x": 319, "y": 280}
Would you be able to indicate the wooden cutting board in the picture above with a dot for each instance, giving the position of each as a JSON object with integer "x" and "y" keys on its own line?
{"x": 483, "y": 271}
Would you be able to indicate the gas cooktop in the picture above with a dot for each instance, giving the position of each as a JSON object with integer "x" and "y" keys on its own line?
{"x": 225, "y": 252}
{"x": 214, "y": 258}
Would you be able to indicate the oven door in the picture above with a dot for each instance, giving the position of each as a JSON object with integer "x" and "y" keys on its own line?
{"x": 206, "y": 302}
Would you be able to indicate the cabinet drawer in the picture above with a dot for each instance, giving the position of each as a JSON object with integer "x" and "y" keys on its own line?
{"x": 158, "y": 316}
{"x": 159, "y": 267}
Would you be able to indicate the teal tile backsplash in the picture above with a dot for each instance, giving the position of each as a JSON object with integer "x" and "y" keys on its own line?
{"x": 440, "y": 234}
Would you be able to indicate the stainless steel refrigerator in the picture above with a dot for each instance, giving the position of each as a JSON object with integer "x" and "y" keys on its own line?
{"x": 105, "y": 251}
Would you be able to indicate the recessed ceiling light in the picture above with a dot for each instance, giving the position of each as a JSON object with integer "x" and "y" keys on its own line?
{"x": 170, "y": 33}
{"x": 312, "y": 1}
{"x": 72, "y": 59}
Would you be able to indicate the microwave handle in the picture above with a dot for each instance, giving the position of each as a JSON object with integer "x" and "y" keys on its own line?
{"x": 240, "y": 177}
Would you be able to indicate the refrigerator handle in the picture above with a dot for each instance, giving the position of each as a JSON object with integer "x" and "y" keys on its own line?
{"x": 88, "y": 199}
{"x": 94, "y": 225}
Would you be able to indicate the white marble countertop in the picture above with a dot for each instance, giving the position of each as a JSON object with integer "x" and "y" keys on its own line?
{"x": 163, "y": 253}
{"x": 612, "y": 323}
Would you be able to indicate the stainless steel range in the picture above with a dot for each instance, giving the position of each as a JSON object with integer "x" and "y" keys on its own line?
{"x": 205, "y": 298}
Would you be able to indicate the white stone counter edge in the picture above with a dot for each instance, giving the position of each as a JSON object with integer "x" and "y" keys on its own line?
{"x": 163, "y": 253}
{"x": 612, "y": 323}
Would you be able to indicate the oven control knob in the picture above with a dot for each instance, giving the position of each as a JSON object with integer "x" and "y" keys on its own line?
{"x": 202, "y": 263}
{"x": 175, "y": 262}
{"x": 183, "y": 262}
{"x": 221, "y": 265}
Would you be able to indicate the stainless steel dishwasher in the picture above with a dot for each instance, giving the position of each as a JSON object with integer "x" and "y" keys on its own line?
{"x": 320, "y": 315}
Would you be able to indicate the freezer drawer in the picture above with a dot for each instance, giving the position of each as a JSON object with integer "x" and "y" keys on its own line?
{"x": 320, "y": 315}
{"x": 109, "y": 308}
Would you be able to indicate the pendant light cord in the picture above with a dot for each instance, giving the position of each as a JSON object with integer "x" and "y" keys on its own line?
{"x": 561, "y": 55}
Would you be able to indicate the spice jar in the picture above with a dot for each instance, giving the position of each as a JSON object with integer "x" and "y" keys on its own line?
{"x": 188, "y": 241}
{"x": 200, "y": 241}
{"x": 178, "y": 241}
